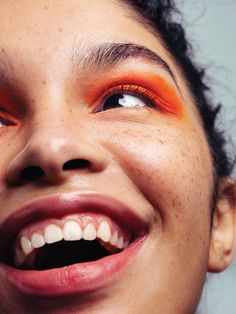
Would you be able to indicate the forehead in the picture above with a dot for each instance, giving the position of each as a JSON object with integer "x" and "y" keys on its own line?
{"x": 41, "y": 37}
{"x": 48, "y": 29}
{"x": 85, "y": 21}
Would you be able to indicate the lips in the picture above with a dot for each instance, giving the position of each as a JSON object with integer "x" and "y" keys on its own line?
{"x": 43, "y": 233}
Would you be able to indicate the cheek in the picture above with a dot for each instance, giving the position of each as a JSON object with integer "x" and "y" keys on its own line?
{"x": 173, "y": 172}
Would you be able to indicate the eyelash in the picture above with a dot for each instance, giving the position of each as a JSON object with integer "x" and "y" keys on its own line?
{"x": 6, "y": 120}
{"x": 144, "y": 94}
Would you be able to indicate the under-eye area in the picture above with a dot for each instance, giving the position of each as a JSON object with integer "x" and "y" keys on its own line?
{"x": 55, "y": 243}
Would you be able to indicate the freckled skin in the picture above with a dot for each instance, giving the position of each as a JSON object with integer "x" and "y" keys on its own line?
{"x": 160, "y": 164}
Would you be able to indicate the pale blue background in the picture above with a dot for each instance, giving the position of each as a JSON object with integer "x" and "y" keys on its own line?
{"x": 211, "y": 25}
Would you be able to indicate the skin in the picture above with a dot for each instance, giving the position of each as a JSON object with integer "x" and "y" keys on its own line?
{"x": 161, "y": 161}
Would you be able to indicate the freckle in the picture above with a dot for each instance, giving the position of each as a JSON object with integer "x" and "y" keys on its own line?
{"x": 60, "y": 29}
{"x": 2, "y": 50}
{"x": 176, "y": 216}
{"x": 179, "y": 245}
{"x": 32, "y": 100}
{"x": 44, "y": 82}
{"x": 45, "y": 7}
{"x": 161, "y": 142}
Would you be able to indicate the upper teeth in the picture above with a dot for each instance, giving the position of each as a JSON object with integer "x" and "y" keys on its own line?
{"x": 71, "y": 230}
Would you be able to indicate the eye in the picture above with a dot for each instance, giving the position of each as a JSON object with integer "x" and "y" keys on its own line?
{"x": 123, "y": 100}
{"x": 138, "y": 95}
{"x": 5, "y": 120}
{"x": 126, "y": 96}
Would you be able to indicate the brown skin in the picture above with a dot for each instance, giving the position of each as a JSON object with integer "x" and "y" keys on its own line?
{"x": 161, "y": 164}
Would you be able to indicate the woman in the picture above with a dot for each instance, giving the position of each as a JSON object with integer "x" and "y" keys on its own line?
{"x": 115, "y": 188}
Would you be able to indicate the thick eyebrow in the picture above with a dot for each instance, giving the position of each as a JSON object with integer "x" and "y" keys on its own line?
{"x": 101, "y": 56}
{"x": 110, "y": 54}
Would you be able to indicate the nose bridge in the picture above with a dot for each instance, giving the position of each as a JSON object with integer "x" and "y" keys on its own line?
{"x": 51, "y": 130}
{"x": 54, "y": 126}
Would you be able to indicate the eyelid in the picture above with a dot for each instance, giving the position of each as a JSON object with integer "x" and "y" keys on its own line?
{"x": 153, "y": 87}
{"x": 9, "y": 120}
{"x": 146, "y": 95}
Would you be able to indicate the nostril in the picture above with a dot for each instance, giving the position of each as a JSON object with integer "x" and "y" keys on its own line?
{"x": 32, "y": 173}
{"x": 76, "y": 164}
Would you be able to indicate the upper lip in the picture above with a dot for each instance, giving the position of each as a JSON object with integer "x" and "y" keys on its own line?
{"x": 56, "y": 206}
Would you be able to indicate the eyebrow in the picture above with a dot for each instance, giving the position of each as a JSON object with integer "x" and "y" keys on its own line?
{"x": 110, "y": 54}
{"x": 101, "y": 56}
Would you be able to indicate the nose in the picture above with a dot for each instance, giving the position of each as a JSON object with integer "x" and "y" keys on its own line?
{"x": 52, "y": 154}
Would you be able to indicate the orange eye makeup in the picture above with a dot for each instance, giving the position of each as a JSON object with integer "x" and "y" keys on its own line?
{"x": 6, "y": 119}
{"x": 157, "y": 92}
{"x": 7, "y": 110}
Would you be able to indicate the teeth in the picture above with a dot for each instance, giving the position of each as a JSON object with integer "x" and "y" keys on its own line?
{"x": 120, "y": 243}
{"x": 26, "y": 245}
{"x": 89, "y": 232}
{"x": 53, "y": 234}
{"x": 37, "y": 240}
{"x": 72, "y": 231}
{"x": 104, "y": 231}
{"x": 19, "y": 257}
{"x": 114, "y": 238}
{"x": 126, "y": 243}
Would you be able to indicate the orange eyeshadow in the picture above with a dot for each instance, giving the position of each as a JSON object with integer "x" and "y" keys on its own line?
{"x": 5, "y": 99}
{"x": 7, "y": 108}
{"x": 154, "y": 88}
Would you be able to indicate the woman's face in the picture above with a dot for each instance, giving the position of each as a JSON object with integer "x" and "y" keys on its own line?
{"x": 98, "y": 133}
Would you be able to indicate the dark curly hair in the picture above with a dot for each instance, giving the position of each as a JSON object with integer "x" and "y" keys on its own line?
{"x": 158, "y": 14}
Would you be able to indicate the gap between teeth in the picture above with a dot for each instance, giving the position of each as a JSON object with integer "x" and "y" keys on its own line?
{"x": 71, "y": 231}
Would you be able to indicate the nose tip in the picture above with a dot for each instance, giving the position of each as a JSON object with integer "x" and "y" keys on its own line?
{"x": 53, "y": 163}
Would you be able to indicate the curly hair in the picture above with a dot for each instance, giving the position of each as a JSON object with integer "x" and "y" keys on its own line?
{"x": 159, "y": 16}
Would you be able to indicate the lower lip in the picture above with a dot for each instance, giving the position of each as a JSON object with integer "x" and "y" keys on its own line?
{"x": 74, "y": 279}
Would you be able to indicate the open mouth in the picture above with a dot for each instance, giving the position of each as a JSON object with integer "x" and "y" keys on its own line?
{"x": 56, "y": 243}
{"x": 74, "y": 243}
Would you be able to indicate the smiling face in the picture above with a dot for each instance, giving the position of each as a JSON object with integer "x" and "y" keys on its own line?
{"x": 97, "y": 126}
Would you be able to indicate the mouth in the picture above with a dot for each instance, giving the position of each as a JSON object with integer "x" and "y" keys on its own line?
{"x": 72, "y": 243}
{"x": 54, "y": 243}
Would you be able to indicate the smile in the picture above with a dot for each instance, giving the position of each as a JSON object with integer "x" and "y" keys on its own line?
{"x": 68, "y": 244}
